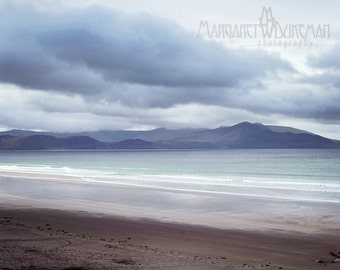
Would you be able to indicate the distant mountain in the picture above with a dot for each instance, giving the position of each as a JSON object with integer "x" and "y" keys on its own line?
{"x": 44, "y": 142}
{"x": 113, "y": 135}
{"x": 247, "y": 135}
{"x": 132, "y": 144}
{"x": 243, "y": 136}
{"x": 287, "y": 129}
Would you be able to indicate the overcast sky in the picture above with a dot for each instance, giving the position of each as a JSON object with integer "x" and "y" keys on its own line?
{"x": 96, "y": 64}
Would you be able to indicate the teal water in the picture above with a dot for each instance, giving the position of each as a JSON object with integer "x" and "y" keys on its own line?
{"x": 308, "y": 175}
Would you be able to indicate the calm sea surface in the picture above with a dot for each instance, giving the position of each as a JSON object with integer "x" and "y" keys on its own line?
{"x": 308, "y": 175}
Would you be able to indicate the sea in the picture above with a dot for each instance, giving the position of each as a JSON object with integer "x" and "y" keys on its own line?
{"x": 196, "y": 181}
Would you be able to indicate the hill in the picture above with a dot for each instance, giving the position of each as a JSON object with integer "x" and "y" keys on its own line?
{"x": 241, "y": 136}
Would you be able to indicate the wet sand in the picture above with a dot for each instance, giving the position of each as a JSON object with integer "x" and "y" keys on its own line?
{"x": 69, "y": 225}
{"x": 36, "y": 238}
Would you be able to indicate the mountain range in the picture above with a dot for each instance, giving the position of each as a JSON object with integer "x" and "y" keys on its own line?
{"x": 244, "y": 135}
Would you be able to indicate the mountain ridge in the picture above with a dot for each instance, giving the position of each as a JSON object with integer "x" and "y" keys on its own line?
{"x": 243, "y": 135}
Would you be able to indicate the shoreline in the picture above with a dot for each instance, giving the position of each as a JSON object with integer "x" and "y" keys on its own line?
{"x": 46, "y": 224}
{"x": 78, "y": 180}
{"x": 220, "y": 211}
{"x": 59, "y": 239}
{"x": 96, "y": 180}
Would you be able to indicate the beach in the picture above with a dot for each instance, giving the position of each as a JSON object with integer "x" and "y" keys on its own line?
{"x": 276, "y": 209}
{"x": 37, "y": 234}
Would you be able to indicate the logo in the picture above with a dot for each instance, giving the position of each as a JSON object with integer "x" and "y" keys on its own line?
{"x": 268, "y": 32}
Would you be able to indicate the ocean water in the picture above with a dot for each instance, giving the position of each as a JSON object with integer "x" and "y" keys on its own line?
{"x": 305, "y": 175}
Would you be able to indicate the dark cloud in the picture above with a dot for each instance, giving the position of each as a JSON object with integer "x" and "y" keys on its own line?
{"x": 328, "y": 64}
{"x": 327, "y": 60}
{"x": 315, "y": 95}
{"x": 36, "y": 71}
{"x": 135, "y": 59}
{"x": 96, "y": 68}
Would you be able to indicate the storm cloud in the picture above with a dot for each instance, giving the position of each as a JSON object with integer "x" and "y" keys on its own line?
{"x": 90, "y": 67}
{"x": 138, "y": 59}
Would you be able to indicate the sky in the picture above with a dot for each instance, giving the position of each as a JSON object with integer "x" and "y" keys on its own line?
{"x": 85, "y": 65}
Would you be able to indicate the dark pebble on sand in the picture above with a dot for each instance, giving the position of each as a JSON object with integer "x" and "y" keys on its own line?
{"x": 320, "y": 261}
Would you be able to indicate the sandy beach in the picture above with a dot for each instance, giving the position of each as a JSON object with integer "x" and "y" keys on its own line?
{"x": 61, "y": 223}
{"x": 37, "y": 238}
